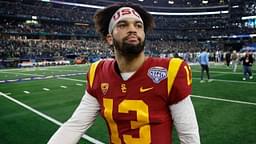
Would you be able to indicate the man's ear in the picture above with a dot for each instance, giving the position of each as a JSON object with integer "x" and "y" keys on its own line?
{"x": 109, "y": 39}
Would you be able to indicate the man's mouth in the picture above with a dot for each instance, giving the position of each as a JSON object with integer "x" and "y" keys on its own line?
{"x": 132, "y": 39}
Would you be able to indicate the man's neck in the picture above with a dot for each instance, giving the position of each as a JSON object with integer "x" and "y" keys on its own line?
{"x": 130, "y": 64}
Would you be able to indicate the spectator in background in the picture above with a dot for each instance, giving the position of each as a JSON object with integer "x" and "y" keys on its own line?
{"x": 204, "y": 61}
{"x": 247, "y": 61}
{"x": 176, "y": 55}
{"x": 218, "y": 56}
{"x": 234, "y": 60}
{"x": 227, "y": 57}
{"x": 186, "y": 56}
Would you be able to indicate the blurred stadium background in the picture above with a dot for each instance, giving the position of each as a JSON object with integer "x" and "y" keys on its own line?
{"x": 46, "y": 47}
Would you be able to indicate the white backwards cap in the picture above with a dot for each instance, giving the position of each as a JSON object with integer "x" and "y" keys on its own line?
{"x": 121, "y": 14}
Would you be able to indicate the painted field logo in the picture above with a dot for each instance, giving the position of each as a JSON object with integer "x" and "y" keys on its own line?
{"x": 157, "y": 74}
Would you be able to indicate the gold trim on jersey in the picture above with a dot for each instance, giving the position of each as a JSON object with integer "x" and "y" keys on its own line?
{"x": 92, "y": 72}
{"x": 173, "y": 69}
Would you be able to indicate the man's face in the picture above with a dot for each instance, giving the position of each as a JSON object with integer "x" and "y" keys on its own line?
{"x": 129, "y": 37}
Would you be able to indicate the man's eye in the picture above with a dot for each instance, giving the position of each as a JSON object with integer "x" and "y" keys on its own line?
{"x": 121, "y": 25}
{"x": 139, "y": 25}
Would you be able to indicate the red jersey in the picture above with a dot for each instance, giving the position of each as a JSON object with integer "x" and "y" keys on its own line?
{"x": 137, "y": 110}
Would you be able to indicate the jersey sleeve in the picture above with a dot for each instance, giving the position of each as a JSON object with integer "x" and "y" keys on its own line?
{"x": 182, "y": 85}
{"x": 91, "y": 77}
{"x": 184, "y": 119}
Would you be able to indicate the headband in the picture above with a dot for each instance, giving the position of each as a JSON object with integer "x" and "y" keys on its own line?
{"x": 121, "y": 14}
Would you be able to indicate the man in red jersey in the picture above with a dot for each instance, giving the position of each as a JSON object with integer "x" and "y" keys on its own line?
{"x": 140, "y": 98}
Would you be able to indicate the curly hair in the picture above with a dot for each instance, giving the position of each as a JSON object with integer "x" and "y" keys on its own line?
{"x": 102, "y": 17}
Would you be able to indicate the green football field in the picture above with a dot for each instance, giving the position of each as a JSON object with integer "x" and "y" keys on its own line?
{"x": 35, "y": 101}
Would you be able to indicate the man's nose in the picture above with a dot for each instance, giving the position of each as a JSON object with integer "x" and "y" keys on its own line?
{"x": 132, "y": 28}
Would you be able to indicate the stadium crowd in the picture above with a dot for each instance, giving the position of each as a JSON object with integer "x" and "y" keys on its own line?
{"x": 23, "y": 9}
{"x": 26, "y": 49}
{"x": 13, "y": 27}
{"x": 42, "y": 49}
{"x": 71, "y": 20}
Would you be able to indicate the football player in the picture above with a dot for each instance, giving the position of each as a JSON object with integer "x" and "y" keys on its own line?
{"x": 141, "y": 98}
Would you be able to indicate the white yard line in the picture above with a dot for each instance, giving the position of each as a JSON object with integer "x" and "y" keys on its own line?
{"x": 95, "y": 141}
{"x": 46, "y": 89}
{"x": 17, "y": 73}
{"x": 63, "y": 86}
{"x": 225, "y": 100}
{"x": 236, "y": 73}
{"x": 79, "y": 84}
{"x": 26, "y": 92}
{"x": 72, "y": 79}
{"x": 231, "y": 81}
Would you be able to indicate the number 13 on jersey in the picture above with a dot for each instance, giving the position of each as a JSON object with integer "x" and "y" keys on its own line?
{"x": 142, "y": 122}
